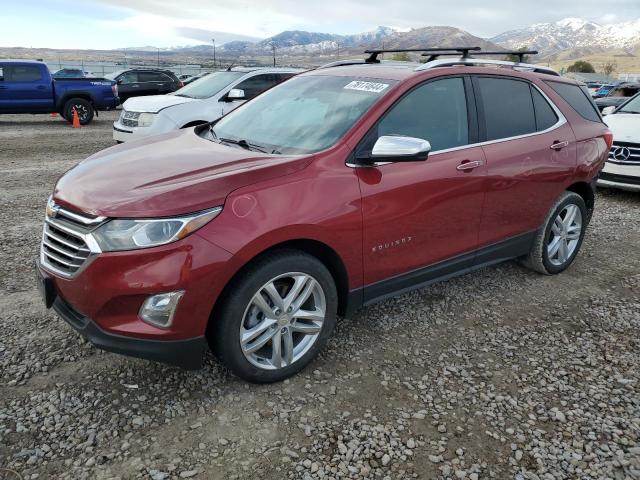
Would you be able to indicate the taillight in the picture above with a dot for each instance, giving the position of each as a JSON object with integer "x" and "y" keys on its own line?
{"x": 608, "y": 137}
{"x": 180, "y": 84}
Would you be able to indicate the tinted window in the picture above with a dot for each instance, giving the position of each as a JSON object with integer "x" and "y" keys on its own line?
{"x": 128, "y": 77}
{"x": 23, "y": 73}
{"x": 254, "y": 86}
{"x": 153, "y": 77}
{"x": 545, "y": 116}
{"x": 508, "y": 108}
{"x": 1, "y": 74}
{"x": 208, "y": 85}
{"x": 579, "y": 101}
{"x": 281, "y": 77}
{"x": 435, "y": 111}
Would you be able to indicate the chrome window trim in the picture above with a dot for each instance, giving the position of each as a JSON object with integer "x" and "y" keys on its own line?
{"x": 561, "y": 121}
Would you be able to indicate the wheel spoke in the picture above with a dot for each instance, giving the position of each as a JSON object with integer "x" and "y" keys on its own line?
{"x": 563, "y": 252}
{"x": 316, "y": 315}
{"x": 299, "y": 281}
{"x": 260, "y": 302}
{"x": 306, "y": 328}
{"x": 257, "y": 330}
{"x": 554, "y": 246}
{"x": 274, "y": 295}
{"x": 556, "y": 228}
{"x": 276, "y": 349}
{"x": 288, "y": 346}
{"x": 570, "y": 216}
{"x": 261, "y": 341}
{"x": 574, "y": 235}
{"x": 305, "y": 294}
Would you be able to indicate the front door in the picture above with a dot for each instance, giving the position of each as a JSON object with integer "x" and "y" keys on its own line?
{"x": 24, "y": 88}
{"x": 425, "y": 213}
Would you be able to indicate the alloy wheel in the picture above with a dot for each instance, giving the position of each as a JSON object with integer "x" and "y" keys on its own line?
{"x": 565, "y": 235}
{"x": 283, "y": 321}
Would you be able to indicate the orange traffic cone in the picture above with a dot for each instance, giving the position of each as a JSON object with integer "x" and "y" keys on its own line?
{"x": 76, "y": 119}
{"x": 54, "y": 114}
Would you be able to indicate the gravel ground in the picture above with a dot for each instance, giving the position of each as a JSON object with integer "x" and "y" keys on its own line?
{"x": 500, "y": 374}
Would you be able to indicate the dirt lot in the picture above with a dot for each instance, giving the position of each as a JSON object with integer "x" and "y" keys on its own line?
{"x": 499, "y": 374}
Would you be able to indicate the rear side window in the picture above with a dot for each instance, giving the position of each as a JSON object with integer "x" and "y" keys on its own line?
{"x": 508, "y": 107}
{"x": 23, "y": 73}
{"x": 575, "y": 96}
{"x": 435, "y": 111}
{"x": 545, "y": 115}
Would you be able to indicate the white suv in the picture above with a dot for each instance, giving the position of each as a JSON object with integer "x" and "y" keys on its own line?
{"x": 204, "y": 100}
{"x": 622, "y": 169}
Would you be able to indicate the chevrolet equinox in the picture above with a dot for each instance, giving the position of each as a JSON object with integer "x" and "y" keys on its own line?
{"x": 334, "y": 190}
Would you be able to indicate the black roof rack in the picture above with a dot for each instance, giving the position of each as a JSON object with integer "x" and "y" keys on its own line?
{"x": 519, "y": 53}
{"x": 373, "y": 54}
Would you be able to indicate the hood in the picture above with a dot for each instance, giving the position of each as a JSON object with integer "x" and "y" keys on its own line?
{"x": 624, "y": 126}
{"x": 167, "y": 175}
{"x": 154, "y": 103}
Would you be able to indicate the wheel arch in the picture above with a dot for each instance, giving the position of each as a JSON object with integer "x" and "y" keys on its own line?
{"x": 585, "y": 190}
{"x": 323, "y": 252}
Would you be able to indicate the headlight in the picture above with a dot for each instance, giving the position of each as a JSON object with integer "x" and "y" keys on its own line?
{"x": 123, "y": 234}
{"x": 146, "y": 119}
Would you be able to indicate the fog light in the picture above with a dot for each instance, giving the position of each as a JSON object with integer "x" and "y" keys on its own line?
{"x": 158, "y": 310}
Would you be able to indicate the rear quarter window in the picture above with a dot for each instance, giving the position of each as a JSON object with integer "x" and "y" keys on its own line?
{"x": 578, "y": 99}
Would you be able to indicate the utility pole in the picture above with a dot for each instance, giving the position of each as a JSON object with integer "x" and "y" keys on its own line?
{"x": 214, "y": 52}
{"x": 338, "y": 43}
{"x": 158, "y": 56}
{"x": 273, "y": 48}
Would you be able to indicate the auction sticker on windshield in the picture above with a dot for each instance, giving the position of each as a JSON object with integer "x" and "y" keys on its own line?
{"x": 366, "y": 86}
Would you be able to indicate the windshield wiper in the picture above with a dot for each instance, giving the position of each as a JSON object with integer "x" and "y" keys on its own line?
{"x": 243, "y": 143}
{"x": 181, "y": 95}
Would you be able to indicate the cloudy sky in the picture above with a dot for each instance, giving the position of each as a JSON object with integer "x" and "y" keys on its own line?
{"x": 107, "y": 24}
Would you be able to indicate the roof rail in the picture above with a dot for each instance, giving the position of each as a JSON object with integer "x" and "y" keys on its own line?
{"x": 373, "y": 54}
{"x": 517, "y": 53}
{"x": 485, "y": 61}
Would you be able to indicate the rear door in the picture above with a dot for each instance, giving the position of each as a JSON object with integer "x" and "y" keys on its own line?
{"x": 530, "y": 152}
{"x": 25, "y": 88}
{"x": 128, "y": 85}
{"x": 421, "y": 214}
{"x": 153, "y": 83}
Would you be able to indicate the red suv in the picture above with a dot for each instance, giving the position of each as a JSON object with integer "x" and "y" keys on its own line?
{"x": 338, "y": 188}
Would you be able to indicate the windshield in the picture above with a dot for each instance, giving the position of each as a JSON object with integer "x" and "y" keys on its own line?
{"x": 302, "y": 115}
{"x": 208, "y": 85}
{"x": 632, "y": 106}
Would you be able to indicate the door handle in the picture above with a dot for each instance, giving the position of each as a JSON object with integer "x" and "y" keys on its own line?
{"x": 557, "y": 145}
{"x": 468, "y": 165}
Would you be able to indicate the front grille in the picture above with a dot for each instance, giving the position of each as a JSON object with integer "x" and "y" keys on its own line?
{"x": 625, "y": 153}
{"x": 64, "y": 248}
{"x": 129, "y": 119}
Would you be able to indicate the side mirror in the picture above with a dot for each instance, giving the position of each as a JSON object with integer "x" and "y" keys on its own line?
{"x": 235, "y": 94}
{"x": 119, "y": 81}
{"x": 396, "y": 148}
{"x": 608, "y": 110}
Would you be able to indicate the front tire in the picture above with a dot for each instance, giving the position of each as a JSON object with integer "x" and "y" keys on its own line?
{"x": 275, "y": 317}
{"x": 558, "y": 242}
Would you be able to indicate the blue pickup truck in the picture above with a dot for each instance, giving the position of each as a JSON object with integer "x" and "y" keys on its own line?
{"x": 26, "y": 86}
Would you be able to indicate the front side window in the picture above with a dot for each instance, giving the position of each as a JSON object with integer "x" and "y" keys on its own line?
{"x": 578, "y": 99}
{"x": 254, "y": 86}
{"x": 128, "y": 77}
{"x": 508, "y": 107}
{"x": 303, "y": 115}
{"x": 435, "y": 111}
{"x": 23, "y": 73}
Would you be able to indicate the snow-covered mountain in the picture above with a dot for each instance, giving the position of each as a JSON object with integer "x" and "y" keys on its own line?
{"x": 570, "y": 33}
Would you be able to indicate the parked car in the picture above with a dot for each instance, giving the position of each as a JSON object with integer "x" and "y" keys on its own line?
{"x": 138, "y": 82}
{"x": 71, "y": 73}
{"x": 622, "y": 169}
{"x": 593, "y": 87}
{"x": 204, "y": 100}
{"x": 26, "y": 86}
{"x": 603, "y": 91}
{"x": 336, "y": 189}
{"x": 618, "y": 95}
{"x": 184, "y": 76}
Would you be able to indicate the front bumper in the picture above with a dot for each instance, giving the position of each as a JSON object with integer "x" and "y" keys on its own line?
{"x": 624, "y": 177}
{"x": 187, "y": 354}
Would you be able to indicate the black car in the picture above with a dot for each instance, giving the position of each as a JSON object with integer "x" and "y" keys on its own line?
{"x": 618, "y": 95}
{"x": 71, "y": 73}
{"x": 137, "y": 82}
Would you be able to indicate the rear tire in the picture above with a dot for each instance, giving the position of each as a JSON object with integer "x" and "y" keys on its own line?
{"x": 559, "y": 240}
{"x": 275, "y": 317}
{"x": 82, "y": 106}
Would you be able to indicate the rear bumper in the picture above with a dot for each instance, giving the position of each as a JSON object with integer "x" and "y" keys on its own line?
{"x": 187, "y": 353}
